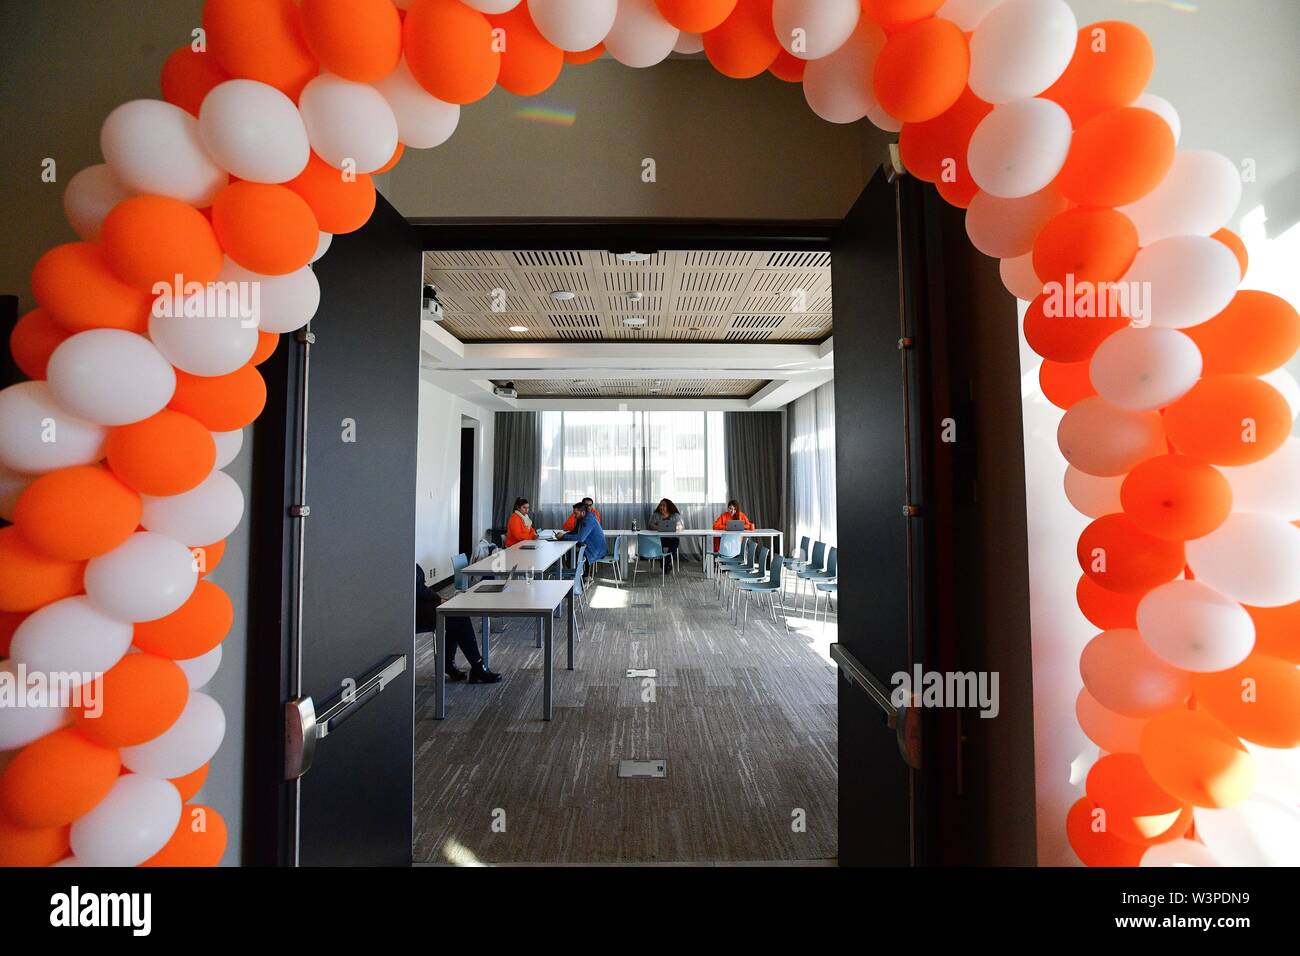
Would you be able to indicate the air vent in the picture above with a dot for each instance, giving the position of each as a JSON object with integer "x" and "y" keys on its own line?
{"x": 798, "y": 260}
{"x": 544, "y": 259}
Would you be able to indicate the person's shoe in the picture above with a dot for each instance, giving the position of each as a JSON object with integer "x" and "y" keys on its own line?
{"x": 455, "y": 673}
{"x": 481, "y": 675}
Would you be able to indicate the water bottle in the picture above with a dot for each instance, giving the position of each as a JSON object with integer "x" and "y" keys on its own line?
{"x": 634, "y": 528}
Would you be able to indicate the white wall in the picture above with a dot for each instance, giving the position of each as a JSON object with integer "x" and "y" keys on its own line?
{"x": 437, "y": 477}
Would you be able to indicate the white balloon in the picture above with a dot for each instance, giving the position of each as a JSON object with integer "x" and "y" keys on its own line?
{"x": 20, "y": 724}
{"x": 1019, "y": 147}
{"x": 132, "y": 823}
{"x": 254, "y": 131}
{"x": 1164, "y": 109}
{"x": 110, "y": 376}
{"x": 144, "y": 578}
{"x": 1178, "y": 853}
{"x": 640, "y": 36}
{"x": 348, "y": 123}
{"x": 1189, "y": 279}
{"x": 1278, "y": 771}
{"x": 205, "y": 338}
{"x": 573, "y": 25}
{"x": 70, "y": 636}
{"x": 228, "y": 446}
{"x": 1194, "y": 627}
{"x": 90, "y": 196}
{"x": 1020, "y": 48}
{"x": 1286, "y": 383}
{"x": 1197, "y": 197}
{"x": 322, "y": 245}
{"x": 812, "y": 29}
{"x": 185, "y": 746}
{"x": 199, "y": 670}
{"x": 283, "y": 303}
{"x": 1259, "y": 831}
{"x": 1006, "y": 228}
{"x": 1269, "y": 486}
{"x": 1019, "y": 277}
{"x": 689, "y": 43}
{"x": 882, "y": 120}
{"x": 154, "y": 147}
{"x": 967, "y": 14}
{"x": 1092, "y": 495}
{"x": 12, "y": 485}
{"x": 838, "y": 87}
{"x": 423, "y": 120}
{"x": 1145, "y": 368}
{"x": 1105, "y": 440}
{"x": 37, "y": 434}
{"x": 487, "y": 6}
{"x": 207, "y": 512}
{"x": 1252, "y": 558}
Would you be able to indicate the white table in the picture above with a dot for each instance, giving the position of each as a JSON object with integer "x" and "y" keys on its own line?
{"x": 519, "y": 559}
{"x": 777, "y": 537}
{"x": 536, "y": 599}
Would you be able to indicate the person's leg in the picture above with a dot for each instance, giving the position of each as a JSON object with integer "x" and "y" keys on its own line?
{"x": 460, "y": 633}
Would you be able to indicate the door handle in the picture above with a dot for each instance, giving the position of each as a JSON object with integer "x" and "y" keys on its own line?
{"x": 304, "y": 727}
{"x": 903, "y": 719}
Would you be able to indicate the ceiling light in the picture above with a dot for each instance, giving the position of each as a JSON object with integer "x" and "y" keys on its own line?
{"x": 518, "y": 328}
{"x": 808, "y": 329}
{"x": 632, "y": 256}
{"x": 634, "y": 321}
{"x": 635, "y": 296}
{"x": 563, "y": 295}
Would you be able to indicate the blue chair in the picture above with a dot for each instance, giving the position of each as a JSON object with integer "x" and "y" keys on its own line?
{"x": 816, "y": 562}
{"x": 458, "y": 564}
{"x": 749, "y": 574}
{"x": 771, "y": 586}
{"x": 612, "y": 559}
{"x": 744, "y": 558}
{"x": 830, "y": 573}
{"x": 728, "y": 548}
{"x": 828, "y": 588}
{"x": 576, "y": 574}
{"x": 651, "y": 548}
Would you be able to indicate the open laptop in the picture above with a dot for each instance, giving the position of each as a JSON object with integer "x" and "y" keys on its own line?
{"x": 735, "y": 526}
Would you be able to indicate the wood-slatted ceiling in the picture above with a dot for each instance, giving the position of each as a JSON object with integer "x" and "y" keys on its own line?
{"x": 699, "y": 296}
{"x": 638, "y": 388}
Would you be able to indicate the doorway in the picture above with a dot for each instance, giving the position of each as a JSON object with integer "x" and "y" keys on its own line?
{"x": 468, "y": 435}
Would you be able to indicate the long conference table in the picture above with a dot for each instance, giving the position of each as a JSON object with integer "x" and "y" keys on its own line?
{"x": 777, "y": 537}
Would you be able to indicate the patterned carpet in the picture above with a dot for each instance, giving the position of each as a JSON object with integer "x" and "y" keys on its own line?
{"x": 747, "y": 725}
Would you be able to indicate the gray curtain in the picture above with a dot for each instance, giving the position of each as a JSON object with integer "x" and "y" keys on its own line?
{"x": 755, "y": 443}
{"x": 516, "y": 461}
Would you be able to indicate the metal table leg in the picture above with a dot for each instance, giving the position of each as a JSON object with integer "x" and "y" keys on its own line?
{"x": 573, "y": 627}
{"x": 539, "y": 632}
{"x": 440, "y": 669}
{"x": 548, "y": 705}
{"x": 487, "y": 642}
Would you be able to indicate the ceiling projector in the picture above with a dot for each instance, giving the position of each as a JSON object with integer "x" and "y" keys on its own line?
{"x": 505, "y": 391}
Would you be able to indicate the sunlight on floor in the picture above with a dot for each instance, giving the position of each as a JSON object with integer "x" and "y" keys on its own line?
{"x": 458, "y": 854}
{"x": 604, "y": 596}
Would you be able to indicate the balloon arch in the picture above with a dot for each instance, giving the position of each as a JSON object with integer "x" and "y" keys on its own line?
{"x": 197, "y": 235}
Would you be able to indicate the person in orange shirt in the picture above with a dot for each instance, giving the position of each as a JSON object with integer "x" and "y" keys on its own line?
{"x": 572, "y": 520}
{"x": 520, "y": 527}
{"x": 733, "y": 513}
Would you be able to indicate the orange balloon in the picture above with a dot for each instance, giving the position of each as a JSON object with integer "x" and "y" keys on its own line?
{"x": 1112, "y": 732}
{"x": 788, "y": 67}
{"x": 1137, "y": 810}
{"x": 743, "y": 44}
{"x": 936, "y": 149}
{"x": 220, "y": 403}
{"x": 1126, "y": 677}
{"x": 141, "y": 695}
{"x": 9, "y": 621}
{"x": 1175, "y": 497}
{"x": 75, "y": 286}
{"x": 584, "y": 56}
{"x": 1277, "y": 631}
{"x": 960, "y": 191}
{"x": 1112, "y": 64}
{"x": 199, "y": 840}
{"x": 266, "y": 346}
{"x": 1233, "y": 242}
{"x": 1258, "y": 700}
{"x": 1193, "y": 757}
{"x": 269, "y": 229}
{"x": 34, "y": 338}
{"x": 165, "y": 454}
{"x": 188, "y": 76}
{"x": 392, "y": 160}
{"x": 696, "y": 16}
{"x": 1064, "y": 383}
{"x": 27, "y": 846}
{"x": 1108, "y": 610}
{"x": 1117, "y": 157}
{"x": 30, "y": 579}
{"x": 922, "y": 70}
{"x": 450, "y": 50}
{"x": 150, "y": 239}
{"x": 77, "y": 513}
{"x": 1066, "y": 338}
{"x": 529, "y": 63}
{"x": 1229, "y": 420}
{"x": 340, "y": 205}
{"x": 1119, "y": 556}
{"x": 194, "y": 628}
{"x": 208, "y": 556}
{"x": 1092, "y": 843}
{"x": 1257, "y": 333}
{"x": 892, "y": 14}
{"x": 359, "y": 40}
{"x": 191, "y": 783}
{"x": 1093, "y": 245}
{"x": 56, "y": 779}
{"x": 261, "y": 40}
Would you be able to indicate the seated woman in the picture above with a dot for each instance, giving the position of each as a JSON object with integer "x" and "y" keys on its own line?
{"x": 520, "y": 527}
{"x": 666, "y": 517}
{"x": 733, "y": 513}
{"x": 460, "y": 633}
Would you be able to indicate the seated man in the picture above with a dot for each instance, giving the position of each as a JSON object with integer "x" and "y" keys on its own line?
{"x": 587, "y": 531}
{"x": 460, "y": 633}
{"x": 571, "y": 521}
